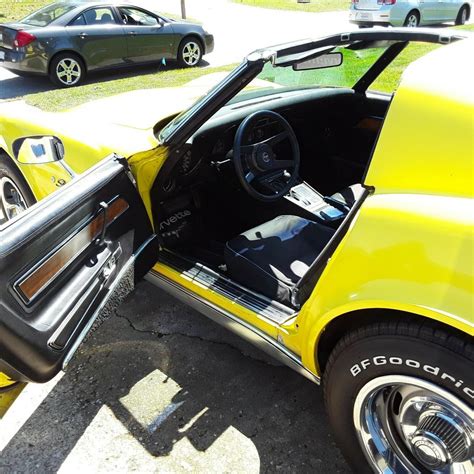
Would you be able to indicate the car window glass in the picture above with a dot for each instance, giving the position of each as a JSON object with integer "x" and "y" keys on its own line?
{"x": 78, "y": 21}
{"x": 47, "y": 15}
{"x": 99, "y": 16}
{"x": 389, "y": 79}
{"x": 132, "y": 16}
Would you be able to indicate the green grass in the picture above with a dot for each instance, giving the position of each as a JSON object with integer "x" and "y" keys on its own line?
{"x": 388, "y": 81}
{"x": 314, "y": 6}
{"x": 11, "y": 10}
{"x": 61, "y": 99}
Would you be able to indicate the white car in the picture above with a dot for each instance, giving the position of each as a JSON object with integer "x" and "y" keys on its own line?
{"x": 410, "y": 13}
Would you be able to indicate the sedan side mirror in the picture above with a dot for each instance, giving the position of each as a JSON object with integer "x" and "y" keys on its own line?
{"x": 38, "y": 149}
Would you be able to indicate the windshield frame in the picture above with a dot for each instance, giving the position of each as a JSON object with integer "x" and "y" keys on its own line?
{"x": 186, "y": 123}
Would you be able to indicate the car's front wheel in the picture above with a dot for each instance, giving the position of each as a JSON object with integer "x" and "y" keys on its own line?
{"x": 67, "y": 70}
{"x": 400, "y": 399}
{"x": 15, "y": 195}
{"x": 190, "y": 52}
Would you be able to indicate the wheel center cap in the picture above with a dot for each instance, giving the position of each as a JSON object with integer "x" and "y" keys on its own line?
{"x": 429, "y": 452}
{"x": 264, "y": 157}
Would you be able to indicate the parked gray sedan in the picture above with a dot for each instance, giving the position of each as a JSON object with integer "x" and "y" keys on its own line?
{"x": 68, "y": 39}
{"x": 410, "y": 13}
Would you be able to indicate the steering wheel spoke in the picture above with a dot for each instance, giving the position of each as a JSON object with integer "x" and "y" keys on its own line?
{"x": 260, "y": 173}
{"x": 282, "y": 164}
{"x": 278, "y": 138}
{"x": 247, "y": 149}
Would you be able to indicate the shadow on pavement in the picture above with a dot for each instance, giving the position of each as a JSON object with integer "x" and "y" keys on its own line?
{"x": 15, "y": 86}
{"x": 218, "y": 376}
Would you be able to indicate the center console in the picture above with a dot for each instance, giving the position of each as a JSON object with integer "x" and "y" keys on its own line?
{"x": 306, "y": 197}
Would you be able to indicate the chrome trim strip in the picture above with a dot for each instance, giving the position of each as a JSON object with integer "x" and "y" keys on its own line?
{"x": 112, "y": 287}
{"x": 231, "y": 322}
{"x": 265, "y": 307}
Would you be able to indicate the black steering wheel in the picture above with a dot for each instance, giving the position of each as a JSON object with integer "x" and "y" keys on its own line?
{"x": 261, "y": 173}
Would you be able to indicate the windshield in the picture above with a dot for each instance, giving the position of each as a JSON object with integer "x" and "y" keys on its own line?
{"x": 355, "y": 63}
{"x": 48, "y": 14}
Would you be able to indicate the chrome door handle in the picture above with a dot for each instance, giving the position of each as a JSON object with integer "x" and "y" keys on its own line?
{"x": 82, "y": 35}
{"x": 132, "y": 33}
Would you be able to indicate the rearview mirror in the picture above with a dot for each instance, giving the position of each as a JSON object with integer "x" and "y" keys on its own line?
{"x": 37, "y": 150}
{"x": 320, "y": 62}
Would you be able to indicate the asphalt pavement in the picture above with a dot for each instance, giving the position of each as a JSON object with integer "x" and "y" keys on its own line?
{"x": 159, "y": 388}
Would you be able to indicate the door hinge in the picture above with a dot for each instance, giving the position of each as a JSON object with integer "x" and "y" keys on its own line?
{"x": 123, "y": 161}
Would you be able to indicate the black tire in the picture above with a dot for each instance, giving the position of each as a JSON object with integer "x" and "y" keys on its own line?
{"x": 10, "y": 173}
{"x": 190, "y": 52}
{"x": 412, "y": 20}
{"x": 397, "y": 352}
{"x": 76, "y": 67}
{"x": 463, "y": 16}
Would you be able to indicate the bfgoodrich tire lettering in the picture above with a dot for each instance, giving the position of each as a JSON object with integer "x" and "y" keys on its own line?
{"x": 407, "y": 353}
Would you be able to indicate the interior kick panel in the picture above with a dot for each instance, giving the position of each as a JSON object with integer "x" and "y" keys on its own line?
{"x": 60, "y": 261}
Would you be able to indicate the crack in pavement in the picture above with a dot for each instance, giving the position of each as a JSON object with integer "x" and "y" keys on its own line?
{"x": 161, "y": 334}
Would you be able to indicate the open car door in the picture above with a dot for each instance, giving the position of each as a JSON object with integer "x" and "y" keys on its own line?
{"x": 65, "y": 262}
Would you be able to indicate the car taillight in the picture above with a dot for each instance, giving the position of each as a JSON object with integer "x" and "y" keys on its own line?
{"x": 23, "y": 38}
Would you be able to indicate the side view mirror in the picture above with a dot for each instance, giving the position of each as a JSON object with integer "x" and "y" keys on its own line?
{"x": 38, "y": 149}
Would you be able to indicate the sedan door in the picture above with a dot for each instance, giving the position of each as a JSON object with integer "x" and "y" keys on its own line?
{"x": 99, "y": 37}
{"x": 64, "y": 263}
{"x": 148, "y": 37}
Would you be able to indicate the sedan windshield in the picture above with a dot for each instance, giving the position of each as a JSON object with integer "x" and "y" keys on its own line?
{"x": 48, "y": 14}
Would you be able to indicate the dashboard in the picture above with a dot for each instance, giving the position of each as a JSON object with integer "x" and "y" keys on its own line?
{"x": 320, "y": 118}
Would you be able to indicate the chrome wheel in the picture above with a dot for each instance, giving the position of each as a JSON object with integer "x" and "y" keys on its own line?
{"x": 412, "y": 21}
{"x": 191, "y": 53}
{"x": 407, "y": 425}
{"x": 12, "y": 201}
{"x": 68, "y": 71}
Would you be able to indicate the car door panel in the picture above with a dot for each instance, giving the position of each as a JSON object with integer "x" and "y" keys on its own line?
{"x": 149, "y": 43}
{"x": 63, "y": 260}
{"x": 101, "y": 46}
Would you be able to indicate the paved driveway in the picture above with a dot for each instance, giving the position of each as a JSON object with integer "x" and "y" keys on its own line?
{"x": 159, "y": 388}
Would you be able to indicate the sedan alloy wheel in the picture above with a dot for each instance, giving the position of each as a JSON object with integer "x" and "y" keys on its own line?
{"x": 412, "y": 20}
{"x": 69, "y": 71}
{"x": 191, "y": 53}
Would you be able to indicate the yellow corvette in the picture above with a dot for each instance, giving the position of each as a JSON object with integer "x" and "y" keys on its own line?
{"x": 329, "y": 225}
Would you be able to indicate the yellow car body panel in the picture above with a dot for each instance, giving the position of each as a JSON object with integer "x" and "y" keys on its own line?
{"x": 426, "y": 144}
{"x": 410, "y": 246}
{"x": 403, "y": 252}
{"x": 122, "y": 124}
